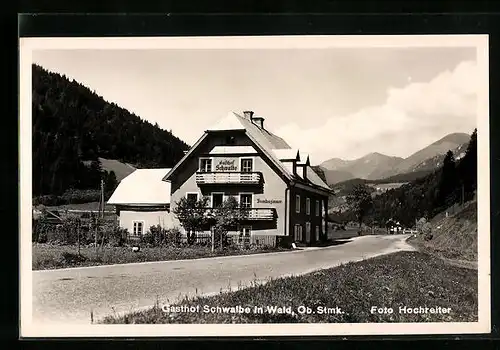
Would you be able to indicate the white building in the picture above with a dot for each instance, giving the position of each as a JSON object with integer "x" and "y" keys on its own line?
{"x": 142, "y": 200}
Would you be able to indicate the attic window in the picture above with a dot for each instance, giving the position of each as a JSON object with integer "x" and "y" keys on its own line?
{"x": 230, "y": 140}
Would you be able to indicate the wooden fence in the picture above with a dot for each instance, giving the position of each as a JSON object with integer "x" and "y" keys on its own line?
{"x": 204, "y": 238}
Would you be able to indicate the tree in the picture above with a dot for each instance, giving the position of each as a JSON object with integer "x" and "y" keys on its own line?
{"x": 191, "y": 215}
{"x": 226, "y": 217}
{"x": 111, "y": 182}
{"x": 467, "y": 168}
{"x": 360, "y": 201}
{"x": 447, "y": 182}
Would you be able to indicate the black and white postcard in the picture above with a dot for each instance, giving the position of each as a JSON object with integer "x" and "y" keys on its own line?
{"x": 254, "y": 186}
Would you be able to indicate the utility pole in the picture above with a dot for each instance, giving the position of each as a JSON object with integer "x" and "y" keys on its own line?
{"x": 213, "y": 238}
{"x": 95, "y": 235}
{"x": 78, "y": 234}
{"x": 102, "y": 198}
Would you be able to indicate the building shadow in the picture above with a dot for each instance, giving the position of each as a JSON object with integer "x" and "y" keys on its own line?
{"x": 332, "y": 242}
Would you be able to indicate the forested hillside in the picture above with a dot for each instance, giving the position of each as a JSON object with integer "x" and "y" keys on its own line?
{"x": 73, "y": 126}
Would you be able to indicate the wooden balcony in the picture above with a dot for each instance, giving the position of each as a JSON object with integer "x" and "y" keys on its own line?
{"x": 219, "y": 177}
{"x": 253, "y": 214}
{"x": 259, "y": 214}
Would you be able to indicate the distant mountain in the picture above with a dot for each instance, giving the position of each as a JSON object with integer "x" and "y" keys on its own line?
{"x": 436, "y": 161}
{"x": 335, "y": 163}
{"x": 436, "y": 149}
{"x": 371, "y": 166}
{"x": 376, "y": 166}
{"x": 335, "y": 176}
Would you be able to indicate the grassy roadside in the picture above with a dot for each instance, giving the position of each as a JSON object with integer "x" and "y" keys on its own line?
{"x": 45, "y": 256}
{"x": 404, "y": 279}
{"x": 454, "y": 238}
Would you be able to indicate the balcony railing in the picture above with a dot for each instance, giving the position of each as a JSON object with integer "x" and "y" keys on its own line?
{"x": 251, "y": 213}
{"x": 219, "y": 177}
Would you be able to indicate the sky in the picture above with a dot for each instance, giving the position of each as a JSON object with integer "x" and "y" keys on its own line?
{"x": 328, "y": 102}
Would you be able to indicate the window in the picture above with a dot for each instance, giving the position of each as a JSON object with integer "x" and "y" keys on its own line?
{"x": 317, "y": 208}
{"x": 298, "y": 233}
{"x": 308, "y": 206}
{"x": 245, "y": 200}
{"x": 246, "y": 165}
{"x": 217, "y": 199}
{"x": 192, "y": 196}
{"x": 297, "y": 203}
{"x": 317, "y": 233}
{"x": 138, "y": 228}
{"x": 245, "y": 233}
{"x": 230, "y": 140}
{"x": 205, "y": 165}
{"x": 308, "y": 232}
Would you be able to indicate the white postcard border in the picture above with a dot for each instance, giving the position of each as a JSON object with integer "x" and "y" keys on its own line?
{"x": 29, "y": 329}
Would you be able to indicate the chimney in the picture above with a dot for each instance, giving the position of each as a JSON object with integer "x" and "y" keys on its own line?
{"x": 248, "y": 114}
{"x": 259, "y": 121}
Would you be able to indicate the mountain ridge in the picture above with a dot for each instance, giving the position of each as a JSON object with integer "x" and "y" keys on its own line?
{"x": 376, "y": 165}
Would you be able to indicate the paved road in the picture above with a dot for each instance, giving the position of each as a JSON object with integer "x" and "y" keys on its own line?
{"x": 68, "y": 295}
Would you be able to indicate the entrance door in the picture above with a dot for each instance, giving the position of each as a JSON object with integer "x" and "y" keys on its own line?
{"x": 217, "y": 199}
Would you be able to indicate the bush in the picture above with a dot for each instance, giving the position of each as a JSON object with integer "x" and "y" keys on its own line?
{"x": 57, "y": 235}
{"x": 66, "y": 232}
{"x": 81, "y": 196}
{"x": 158, "y": 236}
{"x": 71, "y": 196}
{"x": 48, "y": 200}
{"x": 154, "y": 237}
{"x": 35, "y": 230}
{"x": 174, "y": 236}
{"x": 118, "y": 237}
{"x": 41, "y": 235}
{"x": 284, "y": 241}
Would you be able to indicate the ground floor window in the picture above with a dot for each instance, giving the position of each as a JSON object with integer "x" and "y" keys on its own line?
{"x": 298, "y": 233}
{"x": 317, "y": 233}
{"x": 245, "y": 233}
{"x": 217, "y": 199}
{"x": 308, "y": 232}
{"x": 138, "y": 228}
{"x": 192, "y": 197}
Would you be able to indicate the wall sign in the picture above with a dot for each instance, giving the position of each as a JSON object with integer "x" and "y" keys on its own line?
{"x": 269, "y": 201}
{"x": 226, "y": 165}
